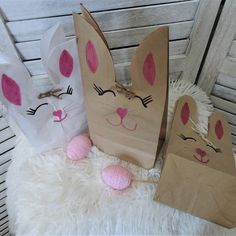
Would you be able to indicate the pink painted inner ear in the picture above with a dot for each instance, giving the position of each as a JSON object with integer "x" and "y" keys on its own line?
{"x": 219, "y": 130}
{"x": 66, "y": 63}
{"x": 149, "y": 69}
{"x": 11, "y": 90}
{"x": 91, "y": 57}
{"x": 185, "y": 113}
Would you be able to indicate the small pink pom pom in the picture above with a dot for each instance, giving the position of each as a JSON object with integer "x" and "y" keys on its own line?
{"x": 117, "y": 177}
{"x": 78, "y": 147}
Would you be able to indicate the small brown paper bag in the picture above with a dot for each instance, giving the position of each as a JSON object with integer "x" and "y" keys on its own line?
{"x": 199, "y": 175}
{"x": 126, "y": 122}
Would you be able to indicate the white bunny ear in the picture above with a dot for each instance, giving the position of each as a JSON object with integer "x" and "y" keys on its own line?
{"x": 16, "y": 88}
{"x": 53, "y": 37}
{"x": 59, "y": 56}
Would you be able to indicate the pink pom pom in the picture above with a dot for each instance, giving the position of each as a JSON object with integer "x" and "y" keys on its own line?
{"x": 117, "y": 177}
{"x": 78, "y": 147}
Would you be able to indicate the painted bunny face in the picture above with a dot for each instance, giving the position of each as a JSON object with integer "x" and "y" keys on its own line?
{"x": 53, "y": 117}
{"x": 125, "y": 122}
{"x": 213, "y": 150}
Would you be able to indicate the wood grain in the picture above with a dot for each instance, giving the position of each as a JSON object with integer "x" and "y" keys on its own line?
{"x": 232, "y": 51}
{"x": 229, "y": 66}
{"x": 224, "y": 104}
{"x": 7, "y": 44}
{"x": 226, "y": 80}
{"x": 219, "y": 48}
{"x": 203, "y": 23}
{"x": 25, "y": 9}
{"x": 27, "y": 30}
{"x": 224, "y": 92}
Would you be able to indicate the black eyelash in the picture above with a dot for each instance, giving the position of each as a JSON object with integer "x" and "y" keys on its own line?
{"x": 186, "y": 138}
{"x": 101, "y": 92}
{"x": 145, "y": 100}
{"x": 32, "y": 111}
{"x": 69, "y": 91}
{"x": 215, "y": 149}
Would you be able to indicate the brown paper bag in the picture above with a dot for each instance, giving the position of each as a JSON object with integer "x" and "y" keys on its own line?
{"x": 126, "y": 122}
{"x": 199, "y": 175}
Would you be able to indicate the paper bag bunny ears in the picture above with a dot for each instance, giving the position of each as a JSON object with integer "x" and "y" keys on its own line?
{"x": 186, "y": 139}
{"x": 47, "y": 119}
{"x": 127, "y": 122}
{"x": 199, "y": 174}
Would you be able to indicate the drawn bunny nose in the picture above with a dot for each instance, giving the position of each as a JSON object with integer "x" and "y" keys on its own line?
{"x": 200, "y": 152}
{"x": 58, "y": 113}
{"x": 122, "y": 112}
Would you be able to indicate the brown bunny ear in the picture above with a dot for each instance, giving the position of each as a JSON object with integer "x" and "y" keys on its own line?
{"x": 219, "y": 131}
{"x": 149, "y": 67}
{"x": 185, "y": 113}
{"x": 95, "y": 59}
{"x": 89, "y": 18}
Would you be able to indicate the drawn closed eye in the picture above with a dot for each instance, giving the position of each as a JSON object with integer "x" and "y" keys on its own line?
{"x": 32, "y": 111}
{"x": 215, "y": 149}
{"x": 182, "y": 136}
{"x": 145, "y": 100}
{"x": 69, "y": 91}
{"x": 101, "y": 92}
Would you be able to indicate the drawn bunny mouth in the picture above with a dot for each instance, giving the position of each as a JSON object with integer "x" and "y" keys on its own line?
{"x": 122, "y": 125}
{"x": 201, "y": 159}
{"x": 58, "y": 114}
{"x": 122, "y": 112}
{"x": 61, "y": 119}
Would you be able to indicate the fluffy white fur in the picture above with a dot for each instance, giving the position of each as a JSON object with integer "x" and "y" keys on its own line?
{"x": 50, "y": 195}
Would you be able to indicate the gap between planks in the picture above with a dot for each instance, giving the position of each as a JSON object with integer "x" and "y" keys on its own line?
{"x": 109, "y": 21}
{"x": 20, "y": 9}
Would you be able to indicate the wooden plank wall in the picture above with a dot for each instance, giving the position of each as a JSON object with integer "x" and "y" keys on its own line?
{"x": 7, "y": 143}
{"x": 218, "y": 76}
{"x": 124, "y": 22}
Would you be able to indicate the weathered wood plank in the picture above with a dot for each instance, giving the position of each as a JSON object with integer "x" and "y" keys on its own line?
{"x": 129, "y": 37}
{"x": 224, "y": 104}
{"x": 232, "y": 51}
{"x": 31, "y": 50}
{"x": 2, "y": 178}
{"x": 5, "y": 158}
{"x": 28, "y": 9}
{"x": 28, "y": 30}
{"x": 176, "y": 64}
{"x": 230, "y": 117}
{"x": 229, "y": 66}
{"x": 6, "y": 42}
{"x": 5, "y": 225}
{"x": 224, "y": 92}
{"x": 203, "y": 23}
{"x": 219, "y": 48}
{"x": 233, "y": 139}
{"x": 226, "y": 80}
{"x": 5, "y": 134}
{"x": 233, "y": 128}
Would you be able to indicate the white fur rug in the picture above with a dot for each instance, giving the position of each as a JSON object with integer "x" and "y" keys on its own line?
{"x": 50, "y": 195}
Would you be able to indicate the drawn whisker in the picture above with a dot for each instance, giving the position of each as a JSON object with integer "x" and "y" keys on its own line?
{"x": 147, "y": 100}
{"x": 98, "y": 89}
{"x": 30, "y": 112}
{"x": 148, "y": 97}
{"x": 69, "y": 90}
